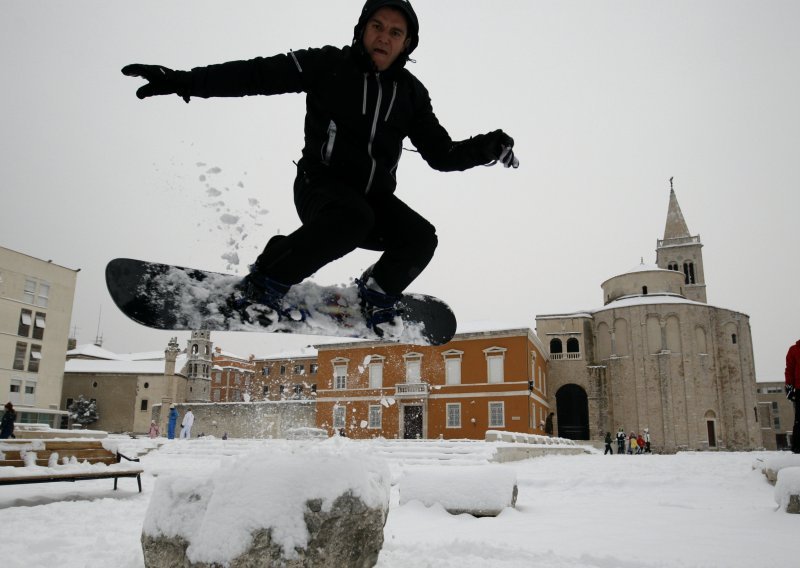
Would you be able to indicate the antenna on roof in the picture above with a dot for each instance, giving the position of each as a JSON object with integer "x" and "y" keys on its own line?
{"x": 670, "y": 183}
{"x": 98, "y": 339}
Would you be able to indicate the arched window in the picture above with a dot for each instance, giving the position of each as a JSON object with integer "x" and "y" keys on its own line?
{"x": 644, "y": 290}
{"x": 688, "y": 272}
{"x": 573, "y": 345}
{"x": 673, "y": 266}
{"x": 734, "y": 339}
{"x": 556, "y": 346}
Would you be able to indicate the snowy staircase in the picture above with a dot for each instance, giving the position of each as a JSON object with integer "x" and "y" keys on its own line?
{"x": 434, "y": 452}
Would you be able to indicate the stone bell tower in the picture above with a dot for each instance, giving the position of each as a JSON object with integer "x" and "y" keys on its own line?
{"x": 681, "y": 251}
{"x": 199, "y": 350}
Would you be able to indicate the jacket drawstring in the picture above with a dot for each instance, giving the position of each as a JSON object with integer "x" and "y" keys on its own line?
{"x": 364, "y": 102}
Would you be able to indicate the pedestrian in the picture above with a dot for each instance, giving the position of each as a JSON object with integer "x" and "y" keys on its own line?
{"x": 154, "y": 430}
{"x": 620, "y": 441}
{"x": 225, "y": 436}
{"x": 608, "y": 444}
{"x": 632, "y": 443}
{"x": 173, "y": 421}
{"x": 361, "y": 104}
{"x": 7, "y": 422}
{"x": 639, "y": 444}
{"x": 647, "y": 441}
{"x": 186, "y": 424}
{"x": 548, "y": 424}
{"x": 792, "y": 386}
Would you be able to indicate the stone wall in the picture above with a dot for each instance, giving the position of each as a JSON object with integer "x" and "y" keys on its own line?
{"x": 246, "y": 419}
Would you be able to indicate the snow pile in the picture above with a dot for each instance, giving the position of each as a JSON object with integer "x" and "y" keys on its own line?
{"x": 267, "y": 489}
{"x": 788, "y": 486}
{"x": 481, "y": 490}
{"x": 71, "y": 466}
{"x": 774, "y": 464}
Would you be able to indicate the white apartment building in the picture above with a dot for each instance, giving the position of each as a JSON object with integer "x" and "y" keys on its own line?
{"x": 36, "y": 298}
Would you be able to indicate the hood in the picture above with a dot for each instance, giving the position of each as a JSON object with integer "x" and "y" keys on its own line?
{"x": 404, "y": 6}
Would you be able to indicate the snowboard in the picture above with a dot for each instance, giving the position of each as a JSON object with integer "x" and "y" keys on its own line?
{"x": 162, "y": 296}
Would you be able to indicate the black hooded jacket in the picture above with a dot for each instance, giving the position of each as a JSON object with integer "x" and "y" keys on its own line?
{"x": 356, "y": 117}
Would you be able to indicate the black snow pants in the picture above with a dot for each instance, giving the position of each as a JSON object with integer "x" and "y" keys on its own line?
{"x": 338, "y": 219}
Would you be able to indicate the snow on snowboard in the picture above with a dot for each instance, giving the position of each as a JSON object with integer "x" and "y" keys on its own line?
{"x": 169, "y": 297}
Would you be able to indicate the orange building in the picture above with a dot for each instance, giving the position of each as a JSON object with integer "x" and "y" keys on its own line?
{"x": 286, "y": 376}
{"x": 484, "y": 380}
{"x": 231, "y": 377}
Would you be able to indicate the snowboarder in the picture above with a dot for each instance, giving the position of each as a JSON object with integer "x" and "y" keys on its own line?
{"x": 173, "y": 420}
{"x": 186, "y": 425}
{"x": 792, "y": 376}
{"x": 7, "y": 422}
{"x": 361, "y": 104}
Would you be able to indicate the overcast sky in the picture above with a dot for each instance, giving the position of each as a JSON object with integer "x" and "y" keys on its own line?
{"x": 606, "y": 101}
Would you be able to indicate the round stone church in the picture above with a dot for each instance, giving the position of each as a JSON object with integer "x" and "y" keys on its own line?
{"x": 656, "y": 356}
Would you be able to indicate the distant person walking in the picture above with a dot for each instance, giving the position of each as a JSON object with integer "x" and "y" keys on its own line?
{"x": 173, "y": 421}
{"x": 620, "y": 441}
{"x": 154, "y": 431}
{"x": 7, "y": 422}
{"x": 632, "y": 443}
{"x": 186, "y": 425}
{"x": 548, "y": 424}
{"x": 608, "y": 444}
{"x": 647, "y": 441}
{"x": 639, "y": 444}
{"x": 792, "y": 387}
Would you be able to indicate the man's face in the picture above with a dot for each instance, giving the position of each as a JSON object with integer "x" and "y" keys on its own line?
{"x": 386, "y": 37}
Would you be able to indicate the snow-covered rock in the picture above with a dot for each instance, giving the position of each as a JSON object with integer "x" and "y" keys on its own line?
{"x": 787, "y": 489}
{"x": 288, "y": 508}
{"x": 481, "y": 491}
{"x": 774, "y": 464}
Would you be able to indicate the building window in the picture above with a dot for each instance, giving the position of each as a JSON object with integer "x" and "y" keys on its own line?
{"x": 452, "y": 367}
{"x": 338, "y": 416}
{"x": 644, "y": 290}
{"x": 495, "y": 364}
{"x": 734, "y": 339}
{"x": 413, "y": 367}
{"x": 35, "y": 358}
{"x": 375, "y": 416}
{"x": 143, "y": 406}
{"x": 265, "y": 371}
{"x": 19, "y": 356}
{"x": 299, "y": 370}
{"x": 497, "y": 417}
{"x": 283, "y": 369}
{"x": 30, "y": 393}
{"x": 215, "y": 395}
{"x": 29, "y": 292}
{"x": 38, "y": 326}
{"x": 556, "y": 347}
{"x": 281, "y": 390}
{"x": 265, "y": 391}
{"x": 573, "y": 345}
{"x": 454, "y": 415}
{"x": 314, "y": 368}
{"x": 673, "y": 266}
{"x": 688, "y": 272}
{"x": 298, "y": 391}
{"x": 376, "y": 373}
{"x": 340, "y": 377}
{"x": 25, "y": 321}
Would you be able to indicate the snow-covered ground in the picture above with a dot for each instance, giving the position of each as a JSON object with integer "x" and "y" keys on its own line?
{"x": 587, "y": 511}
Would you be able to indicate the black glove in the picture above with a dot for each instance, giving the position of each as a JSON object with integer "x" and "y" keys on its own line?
{"x": 160, "y": 80}
{"x": 790, "y": 392}
{"x": 497, "y": 146}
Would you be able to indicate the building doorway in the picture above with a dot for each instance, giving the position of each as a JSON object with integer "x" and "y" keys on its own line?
{"x": 572, "y": 407}
{"x": 412, "y": 422}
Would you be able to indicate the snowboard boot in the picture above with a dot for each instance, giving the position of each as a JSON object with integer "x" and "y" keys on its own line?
{"x": 256, "y": 292}
{"x": 379, "y": 308}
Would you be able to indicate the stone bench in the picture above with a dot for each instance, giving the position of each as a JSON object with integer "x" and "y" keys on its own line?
{"x": 481, "y": 491}
{"x": 45, "y": 461}
{"x": 787, "y": 489}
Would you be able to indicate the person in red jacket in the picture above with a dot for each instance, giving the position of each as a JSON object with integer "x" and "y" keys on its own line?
{"x": 792, "y": 385}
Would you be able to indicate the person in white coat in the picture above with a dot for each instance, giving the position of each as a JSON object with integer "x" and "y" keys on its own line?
{"x": 186, "y": 424}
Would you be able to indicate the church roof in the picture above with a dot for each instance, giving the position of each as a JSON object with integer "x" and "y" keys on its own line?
{"x": 676, "y": 227}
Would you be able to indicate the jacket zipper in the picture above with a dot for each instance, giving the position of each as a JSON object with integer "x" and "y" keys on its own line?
{"x": 328, "y": 146}
{"x": 374, "y": 129}
{"x": 391, "y": 102}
